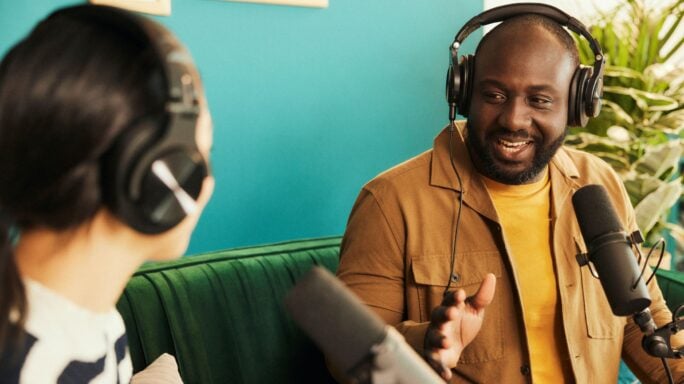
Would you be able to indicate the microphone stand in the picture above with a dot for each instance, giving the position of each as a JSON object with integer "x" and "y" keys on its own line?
{"x": 656, "y": 342}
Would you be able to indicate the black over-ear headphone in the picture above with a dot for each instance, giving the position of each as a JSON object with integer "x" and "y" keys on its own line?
{"x": 153, "y": 173}
{"x": 586, "y": 87}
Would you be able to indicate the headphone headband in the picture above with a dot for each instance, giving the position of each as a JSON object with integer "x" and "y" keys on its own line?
{"x": 505, "y": 12}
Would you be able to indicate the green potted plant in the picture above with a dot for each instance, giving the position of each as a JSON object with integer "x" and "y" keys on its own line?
{"x": 640, "y": 130}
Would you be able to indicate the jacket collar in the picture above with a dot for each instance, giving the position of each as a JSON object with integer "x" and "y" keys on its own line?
{"x": 564, "y": 180}
{"x": 563, "y": 173}
{"x": 441, "y": 172}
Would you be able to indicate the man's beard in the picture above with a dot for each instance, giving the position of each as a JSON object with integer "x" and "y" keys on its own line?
{"x": 489, "y": 168}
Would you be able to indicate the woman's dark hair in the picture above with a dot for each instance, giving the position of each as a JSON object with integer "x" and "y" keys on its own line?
{"x": 67, "y": 91}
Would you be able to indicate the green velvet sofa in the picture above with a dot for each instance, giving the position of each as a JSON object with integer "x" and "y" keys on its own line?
{"x": 221, "y": 313}
{"x": 671, "y": 283}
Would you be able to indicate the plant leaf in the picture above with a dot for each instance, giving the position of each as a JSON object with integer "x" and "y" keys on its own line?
{"x": 620, "y": 114}
{"x": 671, "y": 123}
{"x": 658, "y": 160}
{"x": 617, "y": 71}
{"x": 640, "y": 186}
{"x": 677, "y": 234}
{"x": 653, "y": 207}
{"x": 647, "y": 101}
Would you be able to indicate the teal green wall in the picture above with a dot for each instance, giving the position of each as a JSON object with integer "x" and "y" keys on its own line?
{"x": 308, "y": 104}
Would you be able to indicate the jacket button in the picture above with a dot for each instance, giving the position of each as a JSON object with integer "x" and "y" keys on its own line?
{"x": 525, "y": 369}
{"x": 455, "y": 277}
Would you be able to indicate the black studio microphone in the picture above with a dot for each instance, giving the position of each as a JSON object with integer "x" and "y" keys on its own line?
{"x": 355, "y": 340}
{"x": 609, "y": 249}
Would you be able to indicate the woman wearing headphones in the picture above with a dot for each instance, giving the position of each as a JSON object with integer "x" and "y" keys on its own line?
{"x": 104, "y": 142}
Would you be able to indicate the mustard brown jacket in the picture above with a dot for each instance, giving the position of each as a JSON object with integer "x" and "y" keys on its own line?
{"x": 396, "y": 255}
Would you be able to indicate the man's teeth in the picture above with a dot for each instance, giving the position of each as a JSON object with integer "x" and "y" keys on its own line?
{"x": 513, "y": 144}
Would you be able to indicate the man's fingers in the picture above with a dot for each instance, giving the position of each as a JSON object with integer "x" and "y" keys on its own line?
{"x": 479, "y": 300}
{"x": 439, "y": 315}
{"x": 435, "y": 339}
{"x": 454, "y": 297}
{"x": 485, "y": 293}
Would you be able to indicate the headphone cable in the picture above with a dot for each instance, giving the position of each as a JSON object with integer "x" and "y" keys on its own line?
{"x": 454, "y": 240}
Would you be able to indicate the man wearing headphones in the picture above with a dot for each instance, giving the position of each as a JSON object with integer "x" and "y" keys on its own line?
{"x": 491, "y": 202}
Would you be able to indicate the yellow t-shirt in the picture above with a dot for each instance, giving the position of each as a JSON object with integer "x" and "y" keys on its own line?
{"x": 524, "y": 213}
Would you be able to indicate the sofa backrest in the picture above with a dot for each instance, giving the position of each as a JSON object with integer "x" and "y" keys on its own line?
{"x": 221, "y": 314}
{"x": 671, "y": 283}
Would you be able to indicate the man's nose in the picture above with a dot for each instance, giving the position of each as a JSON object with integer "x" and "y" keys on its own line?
{"x": 515, "y": 114}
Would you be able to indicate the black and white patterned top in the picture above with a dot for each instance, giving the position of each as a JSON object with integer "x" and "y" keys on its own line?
{"x": 65, "y": 343}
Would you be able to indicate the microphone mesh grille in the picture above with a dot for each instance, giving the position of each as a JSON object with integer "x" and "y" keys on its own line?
{"x": 595, "y": 213}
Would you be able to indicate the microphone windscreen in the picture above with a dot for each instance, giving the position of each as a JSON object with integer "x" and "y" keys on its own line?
{"x": 595, "y": 213}
{"x": 342, "y": 327}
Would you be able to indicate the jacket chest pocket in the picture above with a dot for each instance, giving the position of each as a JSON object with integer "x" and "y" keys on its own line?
{"x": 431, "y": 274}
{"x": 601, "y": 323}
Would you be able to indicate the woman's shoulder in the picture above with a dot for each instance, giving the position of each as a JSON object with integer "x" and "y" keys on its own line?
{"x": 61, "y": 340}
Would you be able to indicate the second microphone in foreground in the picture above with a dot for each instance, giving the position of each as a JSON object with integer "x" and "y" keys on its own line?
{"x": 354, "y": 339}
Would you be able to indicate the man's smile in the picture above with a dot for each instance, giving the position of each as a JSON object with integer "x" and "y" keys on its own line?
{"x": 516, "y": 150}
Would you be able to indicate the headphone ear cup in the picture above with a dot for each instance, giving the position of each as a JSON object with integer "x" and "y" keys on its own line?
{"x": 167, "y": 197}
{"x": 577, "y": 106}
{"x": 117, "y": 167}
{"x": 596, "y": 91}
{"x": 452, "y": 84}
{"x": 136, "y": 194}
{"x": 466, "y": 72}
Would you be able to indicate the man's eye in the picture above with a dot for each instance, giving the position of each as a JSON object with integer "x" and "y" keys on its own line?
{"x": 543, "y": 102}
{"x": 494, "y": 97}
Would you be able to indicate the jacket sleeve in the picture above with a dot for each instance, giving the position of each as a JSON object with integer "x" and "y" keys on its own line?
{"x": 373, "y": 264}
